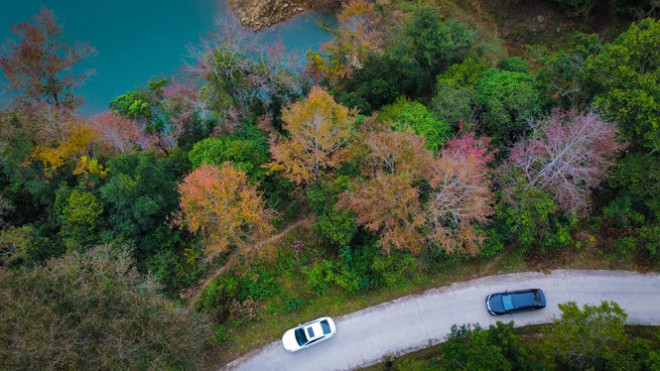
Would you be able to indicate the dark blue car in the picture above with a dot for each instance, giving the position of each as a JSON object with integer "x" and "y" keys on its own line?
{"x": 515, "y": 301}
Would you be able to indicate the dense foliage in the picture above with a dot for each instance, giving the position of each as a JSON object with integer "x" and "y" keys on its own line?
{"x": 94, "y": 310}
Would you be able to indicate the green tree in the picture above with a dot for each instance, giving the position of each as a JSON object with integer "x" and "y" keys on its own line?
{"x": 80, "y": 219}
{"x": 246, "y": 154}
{"x": 470, "y": 348}
{"x": 637, "y": 112}
{"x": 530, "y": 218}
{"x": 509, "y": 102}
{"x": 425, "y": 47}
{"x": 336, "y": 225}
{"x": 513, "y": 65}
{"x": 381, "y": 80}
{"x": 435, "y": 44}
{"x": 587, "y": 338}
{"x": 561, "y": 79}
{"x": 455, "y": 93}
{"x": 140, "y": 193}
{"x": 638, "y": 178}
{"x": 407, "y": 115}
{"x": 626, "y": 79}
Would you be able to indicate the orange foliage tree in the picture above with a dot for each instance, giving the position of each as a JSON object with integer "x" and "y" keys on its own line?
{"x": 359, "y": 34}
{"x": 221, "y": 205}
{"x": 388, "y": 205}
{"x": 319, "y": 129}
{"x": 397, "y": 153}
{"x": 456, "y": 185}
{"x": 460, "y": 196}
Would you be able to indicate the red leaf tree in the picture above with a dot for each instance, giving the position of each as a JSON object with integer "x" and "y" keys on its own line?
{"x": 359, "y": 34}
{"x": 39, "y": 65}
{"x": 388, "y": 204}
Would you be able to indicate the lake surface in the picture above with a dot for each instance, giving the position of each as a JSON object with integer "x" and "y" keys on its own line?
{"x": 139, "y": 39}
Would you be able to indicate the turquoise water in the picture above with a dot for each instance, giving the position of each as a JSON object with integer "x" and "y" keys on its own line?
{"x": 137, "y": 40}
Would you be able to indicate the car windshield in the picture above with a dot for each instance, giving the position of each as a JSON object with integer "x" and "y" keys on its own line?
{"x": 325, "y": 326}
{"x": 300, "y": 336}
{"x": 507, "y": 302}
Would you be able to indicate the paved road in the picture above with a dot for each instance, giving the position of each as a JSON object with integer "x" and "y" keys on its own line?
{"x": 417, "y": 321}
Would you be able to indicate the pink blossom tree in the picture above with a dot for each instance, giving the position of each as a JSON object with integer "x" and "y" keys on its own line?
{"x": 119, "y": 134}
{"x": 568, "y": 154}
{"x": 468, "y": 145}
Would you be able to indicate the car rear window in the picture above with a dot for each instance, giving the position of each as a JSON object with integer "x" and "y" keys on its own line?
{"x": 325, "y": 326}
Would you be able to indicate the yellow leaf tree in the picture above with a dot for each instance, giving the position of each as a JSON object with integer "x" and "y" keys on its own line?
{"x": 319, "y": 129}
{"x": 67, "y": 151}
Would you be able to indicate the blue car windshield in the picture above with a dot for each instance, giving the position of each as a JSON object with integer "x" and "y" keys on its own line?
{"x": 507, "y": 302}
{"x": 300, "y": 336}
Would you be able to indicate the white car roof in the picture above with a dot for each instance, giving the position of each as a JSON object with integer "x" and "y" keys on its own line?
{"x": 316, "y": 329}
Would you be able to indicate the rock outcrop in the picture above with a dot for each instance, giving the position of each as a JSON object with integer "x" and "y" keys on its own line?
{"x": 258, "y": 14}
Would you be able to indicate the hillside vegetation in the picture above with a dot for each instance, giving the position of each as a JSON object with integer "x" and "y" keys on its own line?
{"x": 426, "y": 142}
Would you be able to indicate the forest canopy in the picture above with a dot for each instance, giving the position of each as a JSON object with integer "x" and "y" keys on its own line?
{"x": 248, "y": 186}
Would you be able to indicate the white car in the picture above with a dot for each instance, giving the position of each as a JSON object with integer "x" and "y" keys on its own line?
{"x": 310, "y": 333}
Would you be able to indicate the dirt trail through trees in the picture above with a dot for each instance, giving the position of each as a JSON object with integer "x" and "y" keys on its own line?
{"x": 195, "y": 293}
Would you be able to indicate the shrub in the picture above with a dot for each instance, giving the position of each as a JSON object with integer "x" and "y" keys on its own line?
{"x": 94, "y": 311}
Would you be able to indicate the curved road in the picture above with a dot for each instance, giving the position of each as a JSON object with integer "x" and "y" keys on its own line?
{"x": 418, "y": 321}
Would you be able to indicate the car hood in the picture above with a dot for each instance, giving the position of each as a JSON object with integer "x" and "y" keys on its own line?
{"x": 495, "y": 303}
{"x": 289, "y": 341}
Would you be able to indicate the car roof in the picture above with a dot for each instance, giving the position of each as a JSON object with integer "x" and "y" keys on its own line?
{"x": 523, "y": 299}
{"x": 317, "y": 331}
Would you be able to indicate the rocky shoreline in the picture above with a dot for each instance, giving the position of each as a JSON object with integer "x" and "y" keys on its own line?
{"x": 260, "y": 14}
